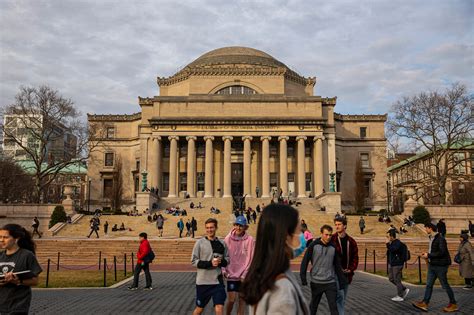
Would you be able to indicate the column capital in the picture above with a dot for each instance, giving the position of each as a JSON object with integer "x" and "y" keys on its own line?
{"x": 316, "y": 138}
{"x": 247, "y": 138}
{"x": 301, "y": 138}
{"x": 286, "y": 138}
{"x": 227, "y": 138}
{"x": 173, "y": 138}
{"x": 191, "y": 138}
{"x": 262, "y": 138}
{"x": 330, "y": 136}
{"x": 208, "y": 138}
{"x": 157, "y": 138}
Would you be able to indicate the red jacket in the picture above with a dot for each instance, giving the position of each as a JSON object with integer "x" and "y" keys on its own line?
{"x": 352, "y": 255}
{"x": 143, "y": 250}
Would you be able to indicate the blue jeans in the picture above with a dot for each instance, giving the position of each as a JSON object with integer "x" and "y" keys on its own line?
{"x": 341, "y": 297}
{"x": 441, "y": 273}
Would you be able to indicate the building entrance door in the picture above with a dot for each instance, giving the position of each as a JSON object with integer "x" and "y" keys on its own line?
{"x": 237, "y": 175}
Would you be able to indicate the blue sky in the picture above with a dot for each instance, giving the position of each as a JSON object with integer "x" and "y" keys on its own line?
{"x": 104, "y": 54}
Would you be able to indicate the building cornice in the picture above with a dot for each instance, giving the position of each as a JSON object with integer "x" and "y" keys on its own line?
{"x": 114, "y": 117}
{"x": 217, "y": 98}
{"x": 340, "y": 117}
{"x": 235, "y": 121}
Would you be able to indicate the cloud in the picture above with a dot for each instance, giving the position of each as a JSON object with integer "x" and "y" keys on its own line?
{"x": 104, "y": 54}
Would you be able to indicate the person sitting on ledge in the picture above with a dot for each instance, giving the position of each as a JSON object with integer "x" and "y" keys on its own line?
{"x": 184, "y": 213}
{"x": 191, "y": 205}
{"x": 122, "y": 227}
{"x": 115, "y": 228}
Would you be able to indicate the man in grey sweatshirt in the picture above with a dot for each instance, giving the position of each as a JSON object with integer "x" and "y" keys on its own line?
{"x": 326, "y": 271}
{"x": 209, "y": 255}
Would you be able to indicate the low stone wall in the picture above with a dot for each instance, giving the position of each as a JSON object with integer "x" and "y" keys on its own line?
{"x": 456, "y": 217}
{"x": 23, "y": 214}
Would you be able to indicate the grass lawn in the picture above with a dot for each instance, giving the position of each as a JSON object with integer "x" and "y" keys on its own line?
{"x": 80, "y": 278}
{"x": 411, "y": 276}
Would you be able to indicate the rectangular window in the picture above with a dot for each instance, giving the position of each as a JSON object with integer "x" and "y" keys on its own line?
{"x": 183, "y": 184}
{"x": 137, "y": 165}
{"x": 200, "y": 181}
{"x": 291, "y": 177}
{"x": 291, "y": 151}
{"x": 472, "y": 163}
{"x": 201, "y": 150}
{"x": 367, "y": 187}
{"x": 166, "y": 150}
{"x": 307, "y": 151}
{"x": 273, "y": 150}
{"x": 110, "y": 134}
{"x": 183, "y": 150}
{"x": 109, "y": 159}
{"x": 364, "y": 160}
{"x": 136, "y": 183}
{"x": 460, "y": 164}
{"x": 166, "y": 181}
{"x": 363, "y": 132}
{"x": 108, "y": 187}
{"x": 308, "y": 182}
{"x": 273, "y": 180}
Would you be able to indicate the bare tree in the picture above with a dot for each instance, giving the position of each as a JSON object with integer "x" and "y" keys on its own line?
{"x": 440, "y": 124}
{"x": 16, "y": 184}
{"x": 359, "y": 191}
{"x": 117, "y": 187}
{"x": 49, "y": 131}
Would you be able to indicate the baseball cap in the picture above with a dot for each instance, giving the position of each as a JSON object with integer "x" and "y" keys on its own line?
{"x": 241, "y": 220}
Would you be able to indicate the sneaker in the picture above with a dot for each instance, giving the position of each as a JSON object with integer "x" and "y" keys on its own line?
{"x": 148, "y": 288}
{"x": 421, "y": 305}
{"x": 132, "y": 288}
{"x": 451, "y": 308}
{"x": 397, "y": 299}
{"x": 405, "y": 293}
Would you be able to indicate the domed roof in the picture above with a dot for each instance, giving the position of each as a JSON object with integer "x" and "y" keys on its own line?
{"x": 235, "y": 55}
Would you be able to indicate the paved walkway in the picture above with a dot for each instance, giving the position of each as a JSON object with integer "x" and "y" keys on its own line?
{"x": 174, "y": 293}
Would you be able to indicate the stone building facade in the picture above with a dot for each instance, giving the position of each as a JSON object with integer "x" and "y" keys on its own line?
{"x": 236, "y": 121}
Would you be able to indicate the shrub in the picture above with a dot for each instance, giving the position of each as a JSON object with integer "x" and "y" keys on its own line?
{"x": 421, "y": 215}
{"x": 58, "y": 215}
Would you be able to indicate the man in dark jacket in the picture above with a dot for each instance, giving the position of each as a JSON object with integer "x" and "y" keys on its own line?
{"x": 194, "y": 226}
{"x": 438, "y": 264}
{"x": 326, "y": 271}
{"x": 441, "y": 227}
{"x": 396, "y": 259}
{"x": 348, "y": 252}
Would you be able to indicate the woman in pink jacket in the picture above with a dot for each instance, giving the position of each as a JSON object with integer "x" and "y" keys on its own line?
{"x": 241, "y": 246}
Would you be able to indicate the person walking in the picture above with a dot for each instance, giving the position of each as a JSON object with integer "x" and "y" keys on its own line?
{"x": 396, "y": 256}
{"x": 240, "y": 246}
{"x": 193, "y": 226}
{"x": 270, "y": 286}
{"x": 188, "y": 228}
{"x": 362, "y": 225}
{"x": 441, "y": 226}
{"x": 439, "y": 261}
{"x": 346, "y": 247}
{"x": 325, "y": 271}
{"x": 466, "y": 261}
{"x": 35, "y": 225}
{"x": 160, "y": 221}
{"x": 254, "y": 216}
{"x": 180, "y": 225}
{"x": 106, "y": 227}
{"x": 257, "y": 191}
{"x": 94, "y": 224}
{"x": 143, "y": 262}
{"x": 209, "y": 256}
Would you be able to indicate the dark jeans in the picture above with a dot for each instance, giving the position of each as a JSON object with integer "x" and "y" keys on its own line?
{"x": 180, "y": 233}
{"x": 35, "y": 230}
{"x": 92, "y": 231}
{"x": 395, "y": 277}
{"x": 439, "y": 272}
{"x": 136, "y": 274}
{"x": 317, "y": 290}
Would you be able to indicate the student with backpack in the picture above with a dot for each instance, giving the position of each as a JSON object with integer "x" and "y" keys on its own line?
{"x": 145, "y": 256}
{"x": 397, "y": 253}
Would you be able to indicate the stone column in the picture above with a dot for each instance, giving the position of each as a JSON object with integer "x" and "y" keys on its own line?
{"x": 284, "y": 164}
{"x": 300, "y": 167}
{"x": 318, "y": 167}
{"x": 265, "y": 166}
{"x": 227, "y": 166}
{"x": 247, "y": 165}
{"x": 154, "y": 168}
{"x": 208, "y": 176}
{"x": 173, "y": 165}
{"x": 331, "y": 138}
{"x": 191, "y": 166}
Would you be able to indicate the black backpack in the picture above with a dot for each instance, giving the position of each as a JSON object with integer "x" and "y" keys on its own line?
{"x": 149, "y": 257}
{"x": 405, "y": 252}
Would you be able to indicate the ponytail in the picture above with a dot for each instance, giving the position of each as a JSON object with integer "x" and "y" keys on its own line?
{"x": 24, "y": 237}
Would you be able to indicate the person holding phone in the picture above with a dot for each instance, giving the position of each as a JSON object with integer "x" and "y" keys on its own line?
{"x": 209, "y": 256}
{"x": 19, "y": 269}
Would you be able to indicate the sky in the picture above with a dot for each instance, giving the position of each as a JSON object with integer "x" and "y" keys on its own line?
{"x": 104, "y": 54}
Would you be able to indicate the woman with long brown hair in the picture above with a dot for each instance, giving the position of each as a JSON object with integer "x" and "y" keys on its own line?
{"x": 270, "y": 287}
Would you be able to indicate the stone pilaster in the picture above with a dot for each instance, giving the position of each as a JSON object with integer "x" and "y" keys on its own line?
{"x": 173, "y": 165}
{"x": 247, "y": 165}
{"x": 300, "y": 167}
{"x": 191, "y": 166}
{"x": 265, "y": 166}
{"x": 209, "y": 175}
{"x": 227, "y": 166}
{"x": 284, "y": 164}
{"x": 318, "y": 167}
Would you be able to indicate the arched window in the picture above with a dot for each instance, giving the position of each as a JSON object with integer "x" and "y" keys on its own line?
{"x": 236, "y": 90}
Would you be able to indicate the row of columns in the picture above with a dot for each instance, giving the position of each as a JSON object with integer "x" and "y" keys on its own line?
{"x": 208, "y": 180}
